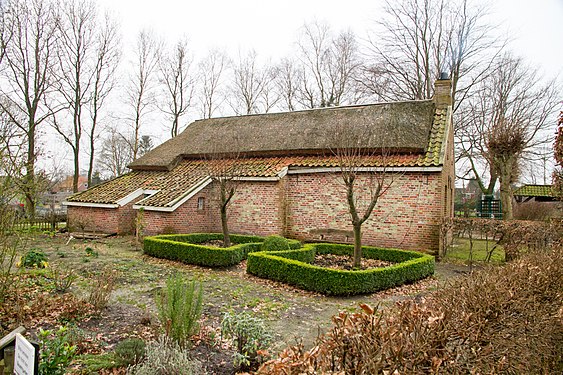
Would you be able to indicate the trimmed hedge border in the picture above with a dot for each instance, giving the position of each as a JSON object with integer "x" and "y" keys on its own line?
{"x": 185, "y": 248}
{"x": 293, "y": 267}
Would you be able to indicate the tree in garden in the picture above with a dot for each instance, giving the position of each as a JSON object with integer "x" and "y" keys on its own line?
{"x": 225, "y": 170}
{"x": 364, "y": 182}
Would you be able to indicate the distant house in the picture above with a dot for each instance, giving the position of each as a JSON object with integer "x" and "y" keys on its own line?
{"x": 536, "y": 202}
{"x": 66, "y": 184}
{"x": 289, "y": 183}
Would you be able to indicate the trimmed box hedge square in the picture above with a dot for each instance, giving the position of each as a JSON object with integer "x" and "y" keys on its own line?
{"x": 186, "y": 248}
{"x": 294, "y": 267}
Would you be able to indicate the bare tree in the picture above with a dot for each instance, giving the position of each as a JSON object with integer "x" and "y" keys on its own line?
{"x": 329, "y": 66}
{"x": 363, "y": 185}
{"x": 225, "y": 171}
{"x": 107, "y": 59}
{"x": 29, "y": 62}
{"x": 176, "y": 80}
{"x": 288, "y": 81}
{"x": 249, "y": 85}
{"x": 509, "y": 120}
{"x": 212, "y": 69}
{"x": 77, "y": 28}
{"x": 419, "y": 39}
{"x": 115, "y": 154}
{"x": 140, "y": 97}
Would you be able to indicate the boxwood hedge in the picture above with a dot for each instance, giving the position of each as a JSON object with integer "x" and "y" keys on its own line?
{"x": 293, "y": 267}
{"x": 186, "y": 248}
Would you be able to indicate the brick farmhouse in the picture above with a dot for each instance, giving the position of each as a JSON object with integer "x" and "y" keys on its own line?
{"x": 288, "y": 179}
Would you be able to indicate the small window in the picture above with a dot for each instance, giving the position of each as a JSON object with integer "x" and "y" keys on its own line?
{"x": 200, "y": 203}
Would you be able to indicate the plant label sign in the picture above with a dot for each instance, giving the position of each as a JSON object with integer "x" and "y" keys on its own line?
{"x": 26, "y": 357}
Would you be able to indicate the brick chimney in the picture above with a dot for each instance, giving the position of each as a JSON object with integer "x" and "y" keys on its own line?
{"x": 443, "y": 91}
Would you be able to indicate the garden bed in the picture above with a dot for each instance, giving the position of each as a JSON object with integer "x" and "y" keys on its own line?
{"x": 189, "y": 248}
{"x": 295, "y": 268}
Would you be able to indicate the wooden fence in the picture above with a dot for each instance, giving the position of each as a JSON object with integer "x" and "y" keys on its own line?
{"x": 42, "y": 224}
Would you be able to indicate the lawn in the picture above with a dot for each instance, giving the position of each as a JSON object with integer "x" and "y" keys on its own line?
{"x": 290, "y": 314}
{"x": 459, "y": 251}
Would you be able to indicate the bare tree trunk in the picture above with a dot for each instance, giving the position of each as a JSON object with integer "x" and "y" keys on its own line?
{"x": 506, "y": 196}
{"x": 224, "y": 222}
{"x": 357, "y": 246}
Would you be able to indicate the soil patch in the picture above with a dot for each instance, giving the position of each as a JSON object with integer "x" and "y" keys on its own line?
{"x": 343, "y": 262}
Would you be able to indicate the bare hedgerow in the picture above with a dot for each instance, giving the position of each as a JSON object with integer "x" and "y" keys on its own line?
{"x": 500, "y": 320}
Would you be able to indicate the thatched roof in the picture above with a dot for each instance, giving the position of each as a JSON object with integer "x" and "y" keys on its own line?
{"x": 402, "y": 126}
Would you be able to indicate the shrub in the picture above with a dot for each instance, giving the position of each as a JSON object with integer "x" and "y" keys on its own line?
{"x": 62, "y": 280}
{"x": 179, "y": 308}
{"x": 103, "y": 286}
{"x": 34, "y": 259}
{"x": 56, "y": 352}
{"x": 500, "y": 320}
{"x": 185, "y": 248}
{"x": 164, "y": 356}
{"x": 249, "y": 335}
{"x": 274, "y": 243}
{"x": 292, "y": 267}
{"x": 130, "y": 351}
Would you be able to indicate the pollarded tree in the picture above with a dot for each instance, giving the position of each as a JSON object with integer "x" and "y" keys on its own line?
{"x": 509, "y": 118}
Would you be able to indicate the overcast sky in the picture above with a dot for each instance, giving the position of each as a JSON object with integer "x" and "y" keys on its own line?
{"x": 270, "y": 27}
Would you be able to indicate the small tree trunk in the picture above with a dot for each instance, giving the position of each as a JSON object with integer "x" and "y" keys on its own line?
{"x": 357, "y": 246}
{"x": 225, "y": 227}
{"x": 506, "y": 197}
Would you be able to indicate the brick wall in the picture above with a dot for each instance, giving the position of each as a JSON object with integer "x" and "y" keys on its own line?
{"x": 407, "y": 216}
{"x": 302, "y": 206}
{"x": 106, "y": 220}
{"x": 254, "y": 209}
{"x": 188, "y": 218}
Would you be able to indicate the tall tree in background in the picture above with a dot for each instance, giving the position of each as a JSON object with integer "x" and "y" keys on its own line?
{"x": 329, "y": 66}
{"x": 508, "y": 121}
{"x": 77, "y": 28}
{"x": 212, "y": 70}
{"x": 140, "y": 96}
{"x": 176, "y": 80}
{"x": 250, "y": 86}
{"x": 115, "y": 154}
{"x": 29, "y": 41}
{"x": 419, "y": 39}
{"x": 289, "y": 77}
{"x": 107, "y": 56}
